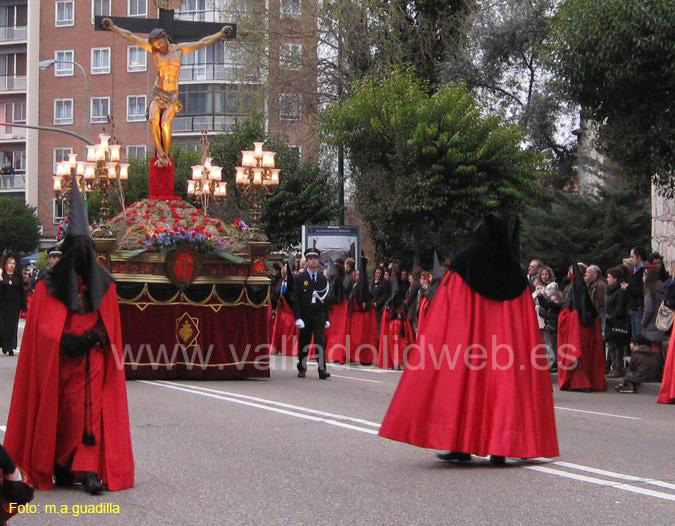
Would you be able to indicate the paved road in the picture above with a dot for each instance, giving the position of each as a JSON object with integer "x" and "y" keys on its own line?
{"x": 292, "y": 451}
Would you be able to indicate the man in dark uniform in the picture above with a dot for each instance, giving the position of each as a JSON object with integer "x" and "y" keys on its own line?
{"x": 53, "y": 257}
{"x": 310, "y": 291}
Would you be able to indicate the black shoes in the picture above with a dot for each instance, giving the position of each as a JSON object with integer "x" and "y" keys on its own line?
{"x": 454, "y": 455}
{"x": 92, "y": 484}
{"x": 496, "y": 460}
{"x": 301, "y": 374}
{"x": 323, "y": 375}
{"x": 626, "y": 387}
{"x": 63, "y": 477}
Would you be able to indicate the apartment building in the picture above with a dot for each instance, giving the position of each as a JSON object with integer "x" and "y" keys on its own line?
{"x": 93, "y": 75}
{"x": 13, "y": 44}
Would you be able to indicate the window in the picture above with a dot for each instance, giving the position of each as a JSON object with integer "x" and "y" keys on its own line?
{"x": 65, "y": 14}
{"x": 136, "y": 59}
{"x": 291, "y": 8}
{"x": 290, "y": 107}
{"x": 138, "y": 8}
{"x": 296, "y": 149}
{"x": 100, "y": 109}
{"x": 135, "y": 108}
{"x": 58, "y": 211}
{"x": 19, "y": 160}
{"x": 290, "y": 56}
{"x": 100, "y": 8}
{"x": 63, "y": 111}
{"x": 60, "y": 154}
{"x": 136, "y": 152}
{"x": 100, "y": 60}
{"x": 64, "y": 66}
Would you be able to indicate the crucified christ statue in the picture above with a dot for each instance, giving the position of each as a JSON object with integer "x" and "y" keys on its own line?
{"x": 164, "y": 102}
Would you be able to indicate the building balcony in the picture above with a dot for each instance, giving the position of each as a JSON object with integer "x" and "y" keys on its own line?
{"x": 13, "y": 183}
{"x": 201, "y": 16}
{"x": 12, "y": 134}
{"x": 216, "y": 72}
{"x": 199, "y": 123}
{"x": 13, "y": 34}
{"x": 12, "y": 83}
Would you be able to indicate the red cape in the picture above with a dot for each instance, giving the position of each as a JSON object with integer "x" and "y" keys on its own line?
{"x": 336, "y": 334}
{"x": 490, "y": 410}
{"x": 362, "y": 336}
{"x": 423, "y": 311}
{"x": 581, "y": 354}
{"x": 667, "y": 391}
{"x": 285, "y": 333}
{"x": 32, "y": 422}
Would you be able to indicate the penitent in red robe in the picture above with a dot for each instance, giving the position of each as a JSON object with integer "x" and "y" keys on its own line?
{"x": 581, "y": 354}
{"x": 667, "y": 391}
{"x": 362, "y": 335}
{"x": 41, "y": 426}
{"x": 336, "y": 334}
{"x": 446, "y": 400}
{"x": 395, "y": 337}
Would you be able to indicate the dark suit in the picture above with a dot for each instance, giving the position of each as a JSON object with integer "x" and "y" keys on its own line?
{"x": 314, "y": 315}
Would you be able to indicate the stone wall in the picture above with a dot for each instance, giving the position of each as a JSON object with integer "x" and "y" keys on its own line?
{"x": 663, "y": 226}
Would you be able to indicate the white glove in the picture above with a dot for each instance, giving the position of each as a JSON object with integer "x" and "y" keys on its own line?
{"x": 327, "y": 325}
{"x": 300, "y": 324}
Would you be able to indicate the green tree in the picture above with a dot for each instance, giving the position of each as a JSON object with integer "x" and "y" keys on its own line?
{"x": 502, "y": 58}
{"x": 19, "y": 227}
{"x": 597, "y": 229}
{"x": 427, "y": 163}
{"x": 615, "y": 59}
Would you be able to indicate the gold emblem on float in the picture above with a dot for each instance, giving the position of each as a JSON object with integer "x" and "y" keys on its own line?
{"x": 187, "y": 330}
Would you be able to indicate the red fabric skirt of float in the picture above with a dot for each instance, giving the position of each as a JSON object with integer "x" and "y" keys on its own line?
{"x": 363, "y": 336}
{"x": 285, "y": 333}
{"x": 581, "y": 354}
{"x": 446, "y": 400}
{"x": 667, "y": 391}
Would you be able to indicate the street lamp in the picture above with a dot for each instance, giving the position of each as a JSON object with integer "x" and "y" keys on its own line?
{"x": 102, "y": 170}
{"x": 44, "y": 64}
{"x": 257, "y": 173}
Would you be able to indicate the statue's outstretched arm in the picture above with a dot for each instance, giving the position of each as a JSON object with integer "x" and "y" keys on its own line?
{"x": 106, "y": 23}
{"x": 189, "y": 47}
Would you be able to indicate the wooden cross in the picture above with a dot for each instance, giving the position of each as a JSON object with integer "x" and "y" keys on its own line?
{"x": 178, "y": 30}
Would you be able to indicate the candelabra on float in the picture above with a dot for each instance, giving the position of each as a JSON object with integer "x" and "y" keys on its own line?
{"x": 207, "y": 178}
{"x": 256, "y": 174}
{"x": 101, "y": 171}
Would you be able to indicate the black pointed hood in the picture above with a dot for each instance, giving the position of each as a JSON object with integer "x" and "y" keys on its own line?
{"x": 579, "y": 300}
{"x": 337, "y": 288}
{"x": 438, "y": 270}
{"x": 489, "y": 264}
{"x": 361, "y": 292}
{"x": 79, "y": 259}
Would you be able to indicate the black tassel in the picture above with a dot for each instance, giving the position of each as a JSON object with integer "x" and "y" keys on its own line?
{"x": 88, "y": 439}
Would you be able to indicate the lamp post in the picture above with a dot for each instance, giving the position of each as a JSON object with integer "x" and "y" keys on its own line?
{"x": 207, "y": 178}
{"x": 102, "y": 170}
{"x": 44, "y": 64}
{"x": 256, "y": 174}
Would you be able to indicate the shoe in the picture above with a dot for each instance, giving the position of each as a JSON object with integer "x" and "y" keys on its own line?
{"x": 92, "y": 484}
{"x": 301, "y": 374}
{"x": 63, "y": 477}
{"x": 497, "y": 460}
{"x": 626, "y": 388}
{"x": 454, "y": 455}
{"x": 323, "y": 375}
{"x": 11, "y": 353}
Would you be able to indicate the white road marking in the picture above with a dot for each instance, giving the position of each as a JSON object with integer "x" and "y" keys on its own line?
{"x": 602, "y": 482}
{"x": 358, "y": 379}
{"x": 363, "y": 368}
{"x": 331, "y": 418}
{"x": 613, "y": 474}
{"x": 596, "y": 413}
{"x": 3, "y": 428}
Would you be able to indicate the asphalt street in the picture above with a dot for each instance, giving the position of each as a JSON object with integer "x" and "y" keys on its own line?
{"x": 306, "y": 452}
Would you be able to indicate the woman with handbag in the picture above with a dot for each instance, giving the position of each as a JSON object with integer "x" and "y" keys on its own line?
{"x": 617, "y": 324}
{"x": 655, "y": 292}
